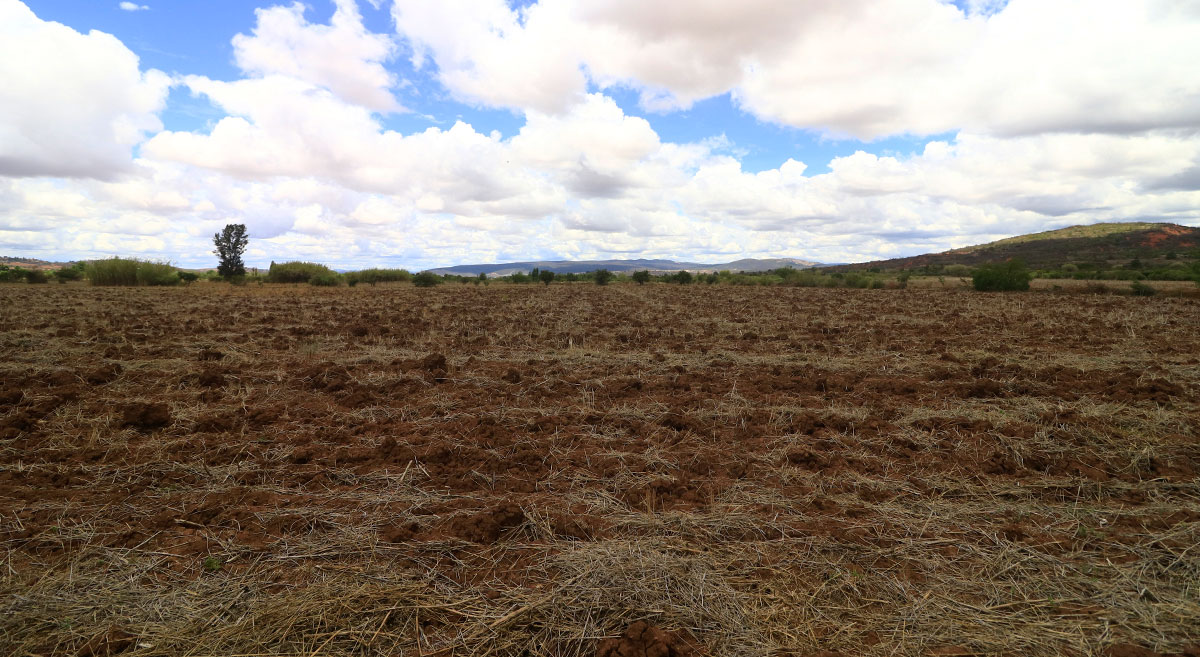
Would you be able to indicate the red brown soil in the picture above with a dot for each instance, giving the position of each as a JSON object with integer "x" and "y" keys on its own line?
{"x": 145, "y": 416}
{"x": 644, "y": 640}
{"x": 802, "y": 471}
{"x": 114, "y": 641}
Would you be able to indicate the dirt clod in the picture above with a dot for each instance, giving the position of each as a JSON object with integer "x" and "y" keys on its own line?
{"x": 110, "y": 642}
{"x": 145, "y": 416}
{"x": 644, "y": 640}
{"x": 489, "y": 525}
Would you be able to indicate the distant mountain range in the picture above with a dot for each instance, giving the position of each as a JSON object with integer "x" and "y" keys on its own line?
{"x": 654, "y": 266}
{"x": 1108, "y": 243}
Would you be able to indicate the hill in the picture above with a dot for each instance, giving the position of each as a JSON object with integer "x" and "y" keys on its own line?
{"x": 583, "y": 266}
{"x": 31, "y": 263}
{"x": 1110, "y": 244}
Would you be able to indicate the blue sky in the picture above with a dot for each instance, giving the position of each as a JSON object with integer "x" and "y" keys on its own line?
{"x": 441, "y": 133}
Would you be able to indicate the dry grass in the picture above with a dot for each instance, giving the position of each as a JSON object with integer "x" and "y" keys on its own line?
{"x": 795, "y": 471}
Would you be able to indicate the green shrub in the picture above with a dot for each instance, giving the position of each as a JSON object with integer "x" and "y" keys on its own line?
{"x": 296, "y": 272}
{"x": 129, "y": 271}
{"x": 157, "y": 274}
{"x": 375, "y": 276}
{"x": 325, "y": 279}
{"x": 1140, "y": 289}
{"x": 956, "y": 270}
{"x": 1177, "y": 272}
{"x": 426, "y": 279}
{"x": 682, "y": 277}
{"x": 113, "y": 271}
{"x": 36, "y": 276}
{"x": 69, "y": 273}
{"x": 546, "y": 276}
{"x": 641, "y": 277}
{"x": 1002, "y": 277}
{"x": 602, "y": 276}
{"x": 856, "y": 281}
{"x": 188, "y": 277}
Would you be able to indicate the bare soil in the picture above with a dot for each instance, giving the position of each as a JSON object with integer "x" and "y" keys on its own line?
{"x": 582, "y": 470}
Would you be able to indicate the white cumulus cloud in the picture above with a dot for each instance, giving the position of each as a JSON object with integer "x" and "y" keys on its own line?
{"x": 860, "y": 68}
{"x": 343, "y": 56}
{"x": 71, "y": 104}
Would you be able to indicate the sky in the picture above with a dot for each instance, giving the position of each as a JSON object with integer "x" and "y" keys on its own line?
{"x": 418, "y": 134}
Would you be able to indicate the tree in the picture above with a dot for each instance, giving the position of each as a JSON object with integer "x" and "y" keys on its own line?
{"x": 683, "y": 277}
{"x": 641, "y": 277}
{"x": 231, "y": 244}
{"x": 602, "y": 276}
{"x": 546, "y": 276}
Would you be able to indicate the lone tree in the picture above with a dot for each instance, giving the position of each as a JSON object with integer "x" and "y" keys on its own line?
{"x": 231, "y": 244}
{"x": 641, "y": 277}
{"x": 546, "y": 276}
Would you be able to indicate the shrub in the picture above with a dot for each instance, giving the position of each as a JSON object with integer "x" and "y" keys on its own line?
{"x": 325, "y": 279}
{"x": 11, "y": 274}
{"x": 374, "y": 276}
{"x": 682, "y": 277}
{"x": 157, "y": 273}
{"x": 36, "y": 276}
{"x": 426, "y": 279}
{"x": 546, "y": 276}
{"x": 602, "y": 276}
{"x": 296, "y": 272}
{"x": 188, "y": 277}
{"x": 129, "y": 271}
{"x": 1140, "y": 289}
{"x": 70, "y": 273}
{"x": 113, "y": 271}
{"x": 857, "y": 281}
{"x": 956, "y": 270}
{"x": 641, "y": 277}
{"x": 1002, "y": 277}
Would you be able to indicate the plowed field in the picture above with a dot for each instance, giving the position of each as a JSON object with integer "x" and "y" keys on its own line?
{"x": 584, "y": 470}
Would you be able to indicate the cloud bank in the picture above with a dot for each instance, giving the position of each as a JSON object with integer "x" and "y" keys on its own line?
{"x": 1059, "y": 113}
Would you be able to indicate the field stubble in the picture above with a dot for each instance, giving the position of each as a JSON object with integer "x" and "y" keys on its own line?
{"x": 576, "y": 470}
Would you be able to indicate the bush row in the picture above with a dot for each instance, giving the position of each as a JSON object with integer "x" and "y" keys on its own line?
{"x": 1006, "y": 276}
